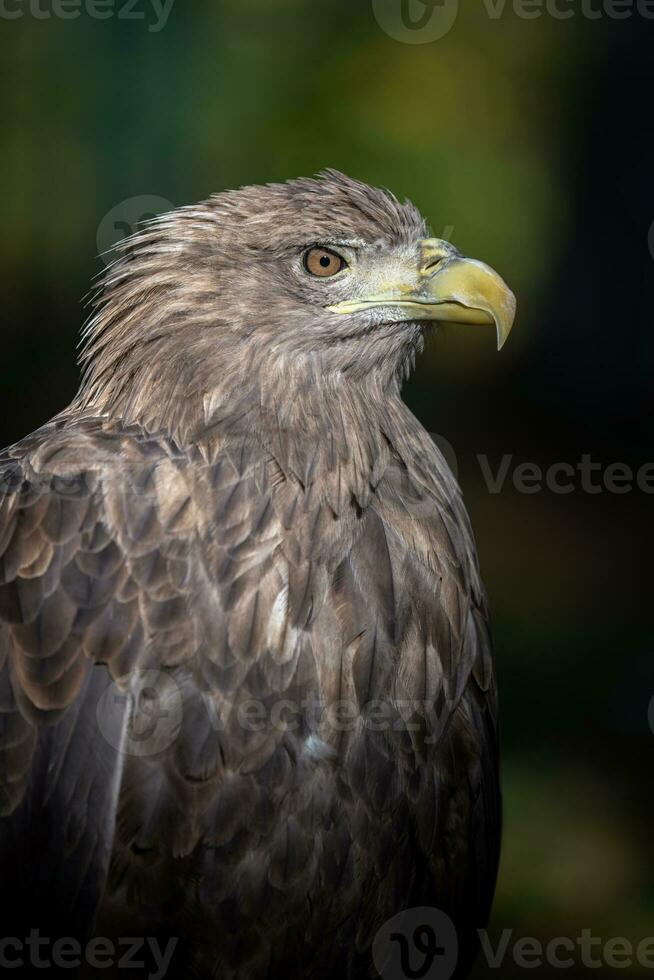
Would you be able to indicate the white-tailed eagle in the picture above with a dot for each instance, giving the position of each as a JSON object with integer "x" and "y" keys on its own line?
{"x": 247, "y": 693}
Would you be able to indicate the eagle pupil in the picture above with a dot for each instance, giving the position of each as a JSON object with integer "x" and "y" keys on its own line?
{"x": 325, "y": 261}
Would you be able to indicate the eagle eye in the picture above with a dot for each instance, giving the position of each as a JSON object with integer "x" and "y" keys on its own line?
{"x": 323, "y": 263}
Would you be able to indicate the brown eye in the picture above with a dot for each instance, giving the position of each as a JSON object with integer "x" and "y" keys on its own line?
{"x": 322, "y": 262}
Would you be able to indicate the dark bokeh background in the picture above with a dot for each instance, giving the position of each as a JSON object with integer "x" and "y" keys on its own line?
{"x": 529, "y": 143}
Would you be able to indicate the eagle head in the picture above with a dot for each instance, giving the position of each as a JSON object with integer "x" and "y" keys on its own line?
{"x": 321, "y": 281}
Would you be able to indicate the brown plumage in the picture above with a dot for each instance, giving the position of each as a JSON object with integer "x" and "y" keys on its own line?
{"x": 238, "y": 509}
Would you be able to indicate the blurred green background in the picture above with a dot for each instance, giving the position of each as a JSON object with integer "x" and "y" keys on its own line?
{"x": 529, "y": 143}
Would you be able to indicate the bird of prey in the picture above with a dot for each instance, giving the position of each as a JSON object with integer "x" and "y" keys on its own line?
{"x": 247, "y": 689}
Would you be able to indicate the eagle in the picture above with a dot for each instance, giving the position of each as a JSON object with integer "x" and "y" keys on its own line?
{"x": 247, "y": 687}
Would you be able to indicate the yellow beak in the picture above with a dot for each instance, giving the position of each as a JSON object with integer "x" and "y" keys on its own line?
{"x": 447, "y": 288}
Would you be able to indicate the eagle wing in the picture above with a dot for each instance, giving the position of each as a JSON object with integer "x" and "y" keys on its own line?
{"x": 95, "y": 546}
{"x": 145, "y": 608}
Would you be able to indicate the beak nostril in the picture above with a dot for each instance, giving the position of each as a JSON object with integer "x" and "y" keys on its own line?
{"x": 433, "y": 252}
{"x": 432, "y": 263}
